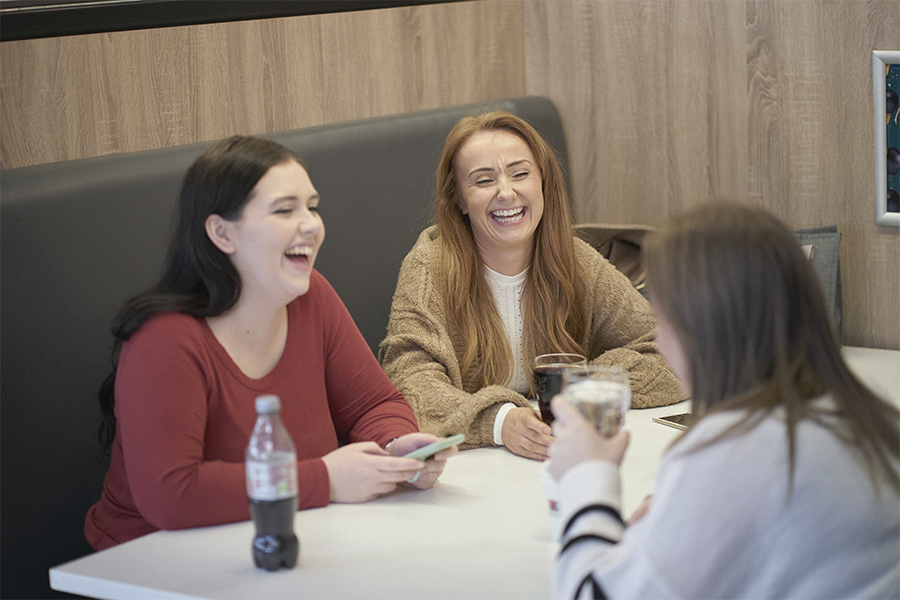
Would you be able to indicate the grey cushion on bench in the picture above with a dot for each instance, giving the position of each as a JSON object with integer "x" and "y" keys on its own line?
{"x": 80, "y": 237}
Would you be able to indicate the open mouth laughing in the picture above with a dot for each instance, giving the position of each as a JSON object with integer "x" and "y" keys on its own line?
{"x": 508, "y": 215}
{"x": 299, "y": 254}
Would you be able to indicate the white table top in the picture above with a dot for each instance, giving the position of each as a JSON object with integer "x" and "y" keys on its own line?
{"x": 482, "y": 532}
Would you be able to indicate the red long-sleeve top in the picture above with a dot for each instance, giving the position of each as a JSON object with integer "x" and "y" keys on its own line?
{"x": 185, "y": 412}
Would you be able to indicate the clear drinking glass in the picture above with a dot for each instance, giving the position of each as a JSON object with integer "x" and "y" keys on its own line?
{"x": 602, "y": 394}
{"x": 547, "y": 378}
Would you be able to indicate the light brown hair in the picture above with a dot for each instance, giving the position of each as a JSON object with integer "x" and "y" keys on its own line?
{"x": 748, "y": 309}
{"x": 553, "y": 312}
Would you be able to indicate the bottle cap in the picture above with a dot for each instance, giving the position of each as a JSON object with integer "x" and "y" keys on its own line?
{"x": 268, "y": 404}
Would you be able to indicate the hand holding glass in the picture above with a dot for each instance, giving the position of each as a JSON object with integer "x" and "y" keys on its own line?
{"x": 548, "y": 370}
{"x": 602, "y": 394}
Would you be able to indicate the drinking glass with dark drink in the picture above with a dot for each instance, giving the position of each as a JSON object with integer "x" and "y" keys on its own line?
{"x": 547, "y": 375}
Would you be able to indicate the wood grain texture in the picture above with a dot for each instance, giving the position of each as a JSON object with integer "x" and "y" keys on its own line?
{"x": 81, "y": 96}
{"x": 667, "y": 105}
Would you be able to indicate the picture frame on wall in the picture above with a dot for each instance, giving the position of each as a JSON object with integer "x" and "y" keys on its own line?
{"x": 885, "y": 91}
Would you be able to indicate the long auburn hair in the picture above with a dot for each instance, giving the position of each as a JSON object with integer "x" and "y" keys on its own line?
{"x": 554, "y": 314}
{"x": 198, "y": 278}
{"x": 748, "y": 309}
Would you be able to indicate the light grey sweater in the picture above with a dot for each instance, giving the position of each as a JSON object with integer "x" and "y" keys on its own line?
{"x": 722, "y": 523}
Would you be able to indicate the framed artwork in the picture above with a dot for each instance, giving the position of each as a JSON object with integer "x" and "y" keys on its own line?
{"x": 885, "y": 90}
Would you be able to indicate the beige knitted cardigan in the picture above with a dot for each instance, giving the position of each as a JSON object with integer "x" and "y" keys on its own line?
{"x": 419, "y": 353}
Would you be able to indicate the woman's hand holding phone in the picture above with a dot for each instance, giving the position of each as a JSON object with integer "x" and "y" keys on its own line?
{"x": 423, "y": 446}
{"x": 363, "y": 471}
{"x": 426, "y": 452}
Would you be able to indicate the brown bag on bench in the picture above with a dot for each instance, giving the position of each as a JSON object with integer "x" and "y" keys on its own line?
{"x": 621, "y": 245}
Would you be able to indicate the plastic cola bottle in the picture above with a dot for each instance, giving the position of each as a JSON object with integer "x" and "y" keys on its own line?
{"x": 272, "y": 488}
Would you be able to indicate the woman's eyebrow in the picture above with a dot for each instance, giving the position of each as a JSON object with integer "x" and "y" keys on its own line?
{"x": 295, "y": 198}
{"x": 481, "y": 170}
{"x": 511, "y": 165}
{"x": 285, "y": 198}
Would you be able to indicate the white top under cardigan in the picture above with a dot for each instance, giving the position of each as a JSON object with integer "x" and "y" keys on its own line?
{"x": 723, "y": 524}
{"x": 508, "y": 300}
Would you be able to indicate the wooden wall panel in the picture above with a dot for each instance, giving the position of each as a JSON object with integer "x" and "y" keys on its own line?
{"x": 666, "y": 104}
{"x": 671, "y": 104}
{"x": 80, "y": 96}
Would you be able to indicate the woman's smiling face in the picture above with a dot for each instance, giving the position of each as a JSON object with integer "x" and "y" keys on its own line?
{"x": 276, "y": 240}
{"x": 499, "y": 185}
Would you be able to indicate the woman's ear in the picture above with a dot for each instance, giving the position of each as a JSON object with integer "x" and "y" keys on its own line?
{"x": 218, "y": 230}
{"x": 459, "y": 202}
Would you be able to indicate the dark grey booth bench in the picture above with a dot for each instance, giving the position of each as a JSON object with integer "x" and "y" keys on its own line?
{"x": 80, "y": 237}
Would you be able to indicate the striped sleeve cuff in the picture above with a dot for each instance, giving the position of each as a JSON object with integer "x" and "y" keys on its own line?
{"x": 590, "y": 502}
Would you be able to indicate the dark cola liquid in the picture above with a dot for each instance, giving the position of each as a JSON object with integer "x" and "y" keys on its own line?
{"x": 548, "y": 383}
{"x": 275, "y": 545}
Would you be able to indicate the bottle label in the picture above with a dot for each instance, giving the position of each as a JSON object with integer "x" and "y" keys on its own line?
{"x": 271, "y": 481}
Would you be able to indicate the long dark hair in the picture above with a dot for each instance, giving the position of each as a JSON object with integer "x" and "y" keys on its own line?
{"x": 198, "y": 278}
{"x": 749, "y": 312}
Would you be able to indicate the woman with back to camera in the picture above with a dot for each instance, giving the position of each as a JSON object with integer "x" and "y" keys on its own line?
{"x": 786, "y": 484}
{"x": 240, "y": 312}
{"x": 500, "y": 279}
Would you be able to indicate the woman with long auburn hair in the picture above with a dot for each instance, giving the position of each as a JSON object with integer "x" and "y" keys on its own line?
{"x": 500, "y": 279}
{"x": 786, "y": 484}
